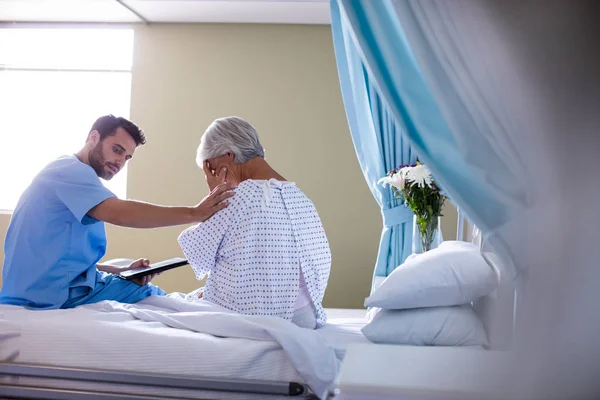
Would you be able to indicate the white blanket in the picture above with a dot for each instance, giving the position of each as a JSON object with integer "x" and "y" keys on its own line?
{"x": 314, "y": 360}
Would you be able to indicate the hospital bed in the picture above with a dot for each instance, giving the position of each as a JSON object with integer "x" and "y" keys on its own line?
{"x": 158, "y": 362}
{"x": 136, "y": 359}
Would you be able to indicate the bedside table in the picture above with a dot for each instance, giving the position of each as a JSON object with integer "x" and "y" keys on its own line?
{"x": 384, "y": 372}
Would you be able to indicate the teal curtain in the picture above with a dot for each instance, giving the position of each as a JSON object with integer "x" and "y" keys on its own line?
{"x": 379, "y": 143}
{"x": 370, "y": 34}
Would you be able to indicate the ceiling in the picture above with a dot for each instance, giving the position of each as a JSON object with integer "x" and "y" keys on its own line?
{"x": 166, "y": 11}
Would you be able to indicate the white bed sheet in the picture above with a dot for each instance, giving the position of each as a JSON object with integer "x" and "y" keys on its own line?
{"x": 343, "y": 328}
{"x": 110, "y": 342}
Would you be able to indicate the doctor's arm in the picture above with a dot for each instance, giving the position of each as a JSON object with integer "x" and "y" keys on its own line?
{"x": 136, "y": 214}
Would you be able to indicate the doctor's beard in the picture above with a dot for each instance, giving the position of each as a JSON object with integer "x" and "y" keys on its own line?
{"x": 98, "y": 162}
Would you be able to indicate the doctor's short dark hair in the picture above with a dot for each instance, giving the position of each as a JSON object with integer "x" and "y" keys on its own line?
{"x": 107, "y": 126}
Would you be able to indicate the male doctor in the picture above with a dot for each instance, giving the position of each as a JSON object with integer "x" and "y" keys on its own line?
{"x": 56, "y": 235}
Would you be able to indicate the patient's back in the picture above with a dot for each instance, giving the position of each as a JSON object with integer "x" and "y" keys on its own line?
{"x": 253, "y": 249}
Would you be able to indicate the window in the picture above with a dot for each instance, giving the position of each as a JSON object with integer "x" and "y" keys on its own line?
{"x": 54, "y": 83}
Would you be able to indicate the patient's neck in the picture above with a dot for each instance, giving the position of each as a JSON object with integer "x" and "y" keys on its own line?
{"x": 258, "y": 168}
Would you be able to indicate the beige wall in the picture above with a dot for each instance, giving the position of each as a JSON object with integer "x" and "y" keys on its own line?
{"x": 282, "y": 79}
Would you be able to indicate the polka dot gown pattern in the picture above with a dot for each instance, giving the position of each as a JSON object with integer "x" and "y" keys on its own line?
{"x": 255, "y": 249}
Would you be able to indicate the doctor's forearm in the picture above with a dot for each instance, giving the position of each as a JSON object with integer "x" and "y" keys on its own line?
{"x": 135, "y": 214}
{"x": 108, "y": 268}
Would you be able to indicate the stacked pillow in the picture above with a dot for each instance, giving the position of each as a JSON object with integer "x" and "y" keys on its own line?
{"x": 427, "y": 299}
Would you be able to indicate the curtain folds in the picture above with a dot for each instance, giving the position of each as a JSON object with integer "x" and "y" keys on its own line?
{"x": 379, "y": 144}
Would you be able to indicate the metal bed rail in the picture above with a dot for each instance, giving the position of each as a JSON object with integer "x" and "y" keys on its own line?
{"x": 18, "y": 380}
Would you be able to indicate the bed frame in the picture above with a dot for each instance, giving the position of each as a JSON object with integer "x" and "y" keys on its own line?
{"x": 25, "y": 381}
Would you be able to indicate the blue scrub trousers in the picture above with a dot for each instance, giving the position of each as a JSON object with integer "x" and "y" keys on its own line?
{"x": 111, "y": 287}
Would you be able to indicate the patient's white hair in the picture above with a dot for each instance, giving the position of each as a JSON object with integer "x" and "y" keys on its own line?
{"x": 229, "y": 135}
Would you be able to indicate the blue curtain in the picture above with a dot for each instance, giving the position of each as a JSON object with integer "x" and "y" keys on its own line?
{"x": 370, "y": 32}
{"x": 379, "y": 145}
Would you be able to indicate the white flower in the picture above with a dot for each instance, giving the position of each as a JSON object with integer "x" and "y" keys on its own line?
{"x": 397, "y": 180}
{"x": 419, "y": 175}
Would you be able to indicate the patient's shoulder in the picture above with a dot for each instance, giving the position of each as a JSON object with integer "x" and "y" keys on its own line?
{"x": 252, "y": 190}
{"x": 245, "y": 195}
{"x": 248, "y": 190}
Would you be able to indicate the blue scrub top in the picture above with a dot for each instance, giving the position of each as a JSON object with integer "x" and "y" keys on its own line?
{"x": 51, "y": 244}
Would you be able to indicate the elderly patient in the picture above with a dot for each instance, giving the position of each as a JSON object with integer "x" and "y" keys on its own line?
{"x": 267, "y": 253}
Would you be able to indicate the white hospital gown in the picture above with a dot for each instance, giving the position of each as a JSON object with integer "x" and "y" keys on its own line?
{"x": 254, "y": 250}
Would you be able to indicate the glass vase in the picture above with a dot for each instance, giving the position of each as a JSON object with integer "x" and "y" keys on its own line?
{"x": 427, "y": 238}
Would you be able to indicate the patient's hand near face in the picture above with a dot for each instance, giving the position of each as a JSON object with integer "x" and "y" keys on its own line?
{"x": 213, "y": 179}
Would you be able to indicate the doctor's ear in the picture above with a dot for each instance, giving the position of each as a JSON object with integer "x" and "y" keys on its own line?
{"x": 94, "y": 137}
{"x": 230, "y": 157}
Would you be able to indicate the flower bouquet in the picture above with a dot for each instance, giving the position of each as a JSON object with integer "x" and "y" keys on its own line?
{"x": 415, "y": 185}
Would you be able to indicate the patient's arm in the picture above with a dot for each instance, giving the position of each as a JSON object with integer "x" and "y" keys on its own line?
{"x": 200, "y": 243}
{"x": 136, "y": 214}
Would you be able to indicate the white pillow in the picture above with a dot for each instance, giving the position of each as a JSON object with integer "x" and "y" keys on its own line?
{"x": 434, "y": 326}
{"x": 455, "y": 273}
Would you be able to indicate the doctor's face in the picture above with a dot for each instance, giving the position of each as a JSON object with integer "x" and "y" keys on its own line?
{"x": 109, "y": 155}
